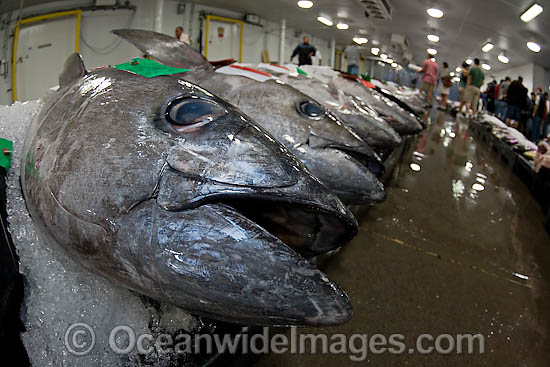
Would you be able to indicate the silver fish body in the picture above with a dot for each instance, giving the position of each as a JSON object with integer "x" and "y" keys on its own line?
{"x": 166, "y": 189}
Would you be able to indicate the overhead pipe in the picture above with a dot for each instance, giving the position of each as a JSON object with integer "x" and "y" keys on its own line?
{"x": 332, "y": 53}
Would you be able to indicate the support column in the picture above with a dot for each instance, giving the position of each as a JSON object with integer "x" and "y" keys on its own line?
{"x": 158, "y": 15}
{"x": 282, "y": 60}
{"x": 332, "y": 53}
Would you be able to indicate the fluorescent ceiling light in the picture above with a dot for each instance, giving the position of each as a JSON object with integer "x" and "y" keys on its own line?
{"x": 389, "y": 61}
{"x": 375, "y": 50}
{"x": 360, "y": 40}
{"x": 325, "y": 21}
{"x": 458, "y": 70}
{"x": 487, "y": 47}
{"x": 531, "y": 13}
{"x": 503, "y": 59}
{"x": 533, "y": 46}
{"x": 434, "y": 13}
{"x": 469, "y": 61}
{"x": 432, "y": 51}
{"x": 383, "y": 56}
{"x": 433, "y": 38}
{"x": 342, "y": 26}
{"x": 452, "y": 73}
{"x": 305, "y": 4}
{"x": 456, "y": 79}
{"x": 486, "y": 66}
{"x": 394, "y": 64}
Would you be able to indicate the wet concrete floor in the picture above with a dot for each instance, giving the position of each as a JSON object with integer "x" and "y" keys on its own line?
{"x": 459, "y": 247}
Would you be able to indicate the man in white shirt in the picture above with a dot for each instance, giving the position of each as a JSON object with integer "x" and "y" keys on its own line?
{"x": 182, "y": 37}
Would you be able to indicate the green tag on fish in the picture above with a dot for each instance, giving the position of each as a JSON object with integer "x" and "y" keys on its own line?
{"x": 300, "y": 71}
{"x": 6, "y": 147}
{"x": 366, "y": 77}
{"x": 148, "y": 68}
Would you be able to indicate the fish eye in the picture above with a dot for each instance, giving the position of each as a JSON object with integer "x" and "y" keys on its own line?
{"x": 311, "y": 110}
{"x": 186, "y": 113}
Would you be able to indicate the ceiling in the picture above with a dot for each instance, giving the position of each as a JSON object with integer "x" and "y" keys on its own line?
{"x": 464, "y": 28}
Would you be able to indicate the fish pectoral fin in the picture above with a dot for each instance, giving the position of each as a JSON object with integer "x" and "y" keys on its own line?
{"x": 73, "y": 69}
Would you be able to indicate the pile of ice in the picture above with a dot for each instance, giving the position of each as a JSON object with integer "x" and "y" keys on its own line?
{"x": 59, "y": 292}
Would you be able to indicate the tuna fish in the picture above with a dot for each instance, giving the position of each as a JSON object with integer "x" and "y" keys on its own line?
{"x": 405, "y": 123}
{"x": 334, "y": 154}
{"x": 361, "y": 119}
{"x": 166, "y": 189}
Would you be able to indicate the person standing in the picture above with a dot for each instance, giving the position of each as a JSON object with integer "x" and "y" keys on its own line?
{"x": 463, "y": 80}
{"x": 182, "y": 37}
{"x": 501, "y": 105}
{"x": 353, "y": 57}
{"x": 304, "y": 51}
{"x": 539, "y": 115}
{"x": 490, "y": 96}
{"x": 430, "y": 70}
{"x": 516, "y": 98}
{"x": 476, "y": 77}
{"x": 446, "y": 84}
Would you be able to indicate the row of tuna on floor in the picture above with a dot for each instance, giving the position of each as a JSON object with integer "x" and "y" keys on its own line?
{"x": 211, "y": 188}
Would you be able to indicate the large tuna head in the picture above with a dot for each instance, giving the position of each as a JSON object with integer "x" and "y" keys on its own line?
{"x": 168, "y": 190}
{"x": 374, "y": 131}
{"x": 337, "y": 156}
{"x": 331, "y": 152}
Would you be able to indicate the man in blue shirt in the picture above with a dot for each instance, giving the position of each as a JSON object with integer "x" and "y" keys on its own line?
{"x": 304, "y": 52}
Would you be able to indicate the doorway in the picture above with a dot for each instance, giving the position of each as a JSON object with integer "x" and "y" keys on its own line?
{"x": 40, "y": 50}
{"x": 223, "y": 38}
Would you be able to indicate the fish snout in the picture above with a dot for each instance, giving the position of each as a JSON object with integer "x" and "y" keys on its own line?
{"x": 214, "y": 262}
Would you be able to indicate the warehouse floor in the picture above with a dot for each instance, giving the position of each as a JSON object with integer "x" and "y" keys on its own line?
{"x": 439, "y": 257}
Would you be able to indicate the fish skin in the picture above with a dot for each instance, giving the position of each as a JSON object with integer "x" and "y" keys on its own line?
{"x": 161, "y": 212}
{"x": 402, "y": 121}
{"x": 366, "y": 123}
{"x": 325, "y": 146}
{"x": 273, "y": 105}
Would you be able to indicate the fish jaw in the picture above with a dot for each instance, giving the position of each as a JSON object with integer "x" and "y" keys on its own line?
{"x": 238, "y": 272}
{"x": 345, "y": 176}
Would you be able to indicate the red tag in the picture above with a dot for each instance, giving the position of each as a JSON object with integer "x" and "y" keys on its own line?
{"x": 279, "y": 66}
{"x": 368, "y": 84}
{"x": 251, "y": 70}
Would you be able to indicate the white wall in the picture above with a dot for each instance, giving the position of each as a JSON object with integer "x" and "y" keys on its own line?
{"x": 99, "y": 47}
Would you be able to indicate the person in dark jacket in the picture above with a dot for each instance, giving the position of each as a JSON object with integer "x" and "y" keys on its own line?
{"x": 516, "y": 98}
{"x": 304, "y": 51}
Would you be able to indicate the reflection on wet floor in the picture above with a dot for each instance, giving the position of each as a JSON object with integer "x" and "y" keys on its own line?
{"x": 459, "y": 247}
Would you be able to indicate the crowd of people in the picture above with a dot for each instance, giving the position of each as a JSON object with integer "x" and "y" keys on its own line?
{"x": 509, "y": 100}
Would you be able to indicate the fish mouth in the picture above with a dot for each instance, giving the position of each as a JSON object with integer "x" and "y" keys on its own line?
{"x": 308, "y": 229}
{"x": 301, "y": 215}
{"x": 363, "y": 153}
{"x": 240, "y": 254}
{"x": 371, "y": 161}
